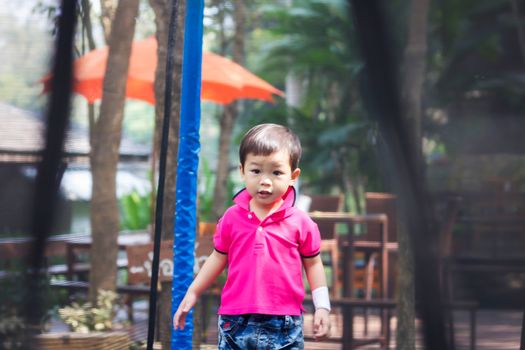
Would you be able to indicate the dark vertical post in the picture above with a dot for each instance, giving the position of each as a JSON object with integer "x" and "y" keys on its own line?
{"x": 348, "y": 312}
{"x": 170, "y": 63}
{"x": 49, "y": 168}
{"x": 522, "y": 341}
{"x": 381, "y": 95}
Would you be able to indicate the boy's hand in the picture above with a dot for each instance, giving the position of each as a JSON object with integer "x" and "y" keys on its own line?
{"x": 321, "y": 324}
{"x": 179, "y": 319}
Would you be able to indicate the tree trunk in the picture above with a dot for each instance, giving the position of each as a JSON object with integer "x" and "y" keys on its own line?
{"x": 520, "y": 28}
{"x": 162, "y": 10}
{"x": 226, "y": 122}
{"x": 229, "y": 115}
{"x": 107, "y": 9}
{"x": 414, "y": 73}
{"x": 105, "y": 153}
{"x": 88, "y": 31}
{"x": 86, "y": 22}
{"x": 412, "y": 85}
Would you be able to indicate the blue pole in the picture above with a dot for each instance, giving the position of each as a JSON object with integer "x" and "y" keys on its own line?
{"x": 188, "y": 161}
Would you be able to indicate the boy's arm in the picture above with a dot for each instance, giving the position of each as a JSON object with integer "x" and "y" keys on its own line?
{"x": 213, "y": 266}
{"x": 315, "y": 272}
{"x": 316, "y": 278}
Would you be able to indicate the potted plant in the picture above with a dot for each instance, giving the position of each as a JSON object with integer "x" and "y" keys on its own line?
{"x": 91, "y": 327}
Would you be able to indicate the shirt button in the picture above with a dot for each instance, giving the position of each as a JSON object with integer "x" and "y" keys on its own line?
{"x": 259, "y": 228}
{"x": 249, "y": 216}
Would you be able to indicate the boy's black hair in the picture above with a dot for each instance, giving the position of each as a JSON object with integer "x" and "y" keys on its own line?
{"x": 265, "y": 139}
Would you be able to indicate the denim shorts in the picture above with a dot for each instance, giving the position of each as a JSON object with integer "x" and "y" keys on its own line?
{"x": 264, "y": 332}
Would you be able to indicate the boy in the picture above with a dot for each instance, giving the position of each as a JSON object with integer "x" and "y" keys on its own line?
{"x": 265, "y": 242}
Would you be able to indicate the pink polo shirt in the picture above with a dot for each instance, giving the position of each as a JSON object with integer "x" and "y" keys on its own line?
{"x": 265, "y": 258}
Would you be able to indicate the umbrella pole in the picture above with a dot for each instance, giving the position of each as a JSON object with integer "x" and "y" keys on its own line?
{"x": 162, "y": 175}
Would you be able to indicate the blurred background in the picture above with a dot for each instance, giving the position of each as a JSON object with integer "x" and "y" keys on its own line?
{"x": 461, "y": 64}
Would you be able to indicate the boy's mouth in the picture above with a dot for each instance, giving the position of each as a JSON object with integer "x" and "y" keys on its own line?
{"x": 264, "y": 193}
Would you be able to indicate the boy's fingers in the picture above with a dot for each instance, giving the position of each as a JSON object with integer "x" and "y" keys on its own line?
{"x": 176, "y": 321}
{"x": 317, "y": 327}
{"x": 317, "y": 324}
{"x": 182, "y": 323}
{"x": 321, "y": 328}
{"x": 179, "y": 322}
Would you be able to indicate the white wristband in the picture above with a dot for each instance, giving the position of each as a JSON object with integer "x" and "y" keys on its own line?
{"x": 321, "y": 298}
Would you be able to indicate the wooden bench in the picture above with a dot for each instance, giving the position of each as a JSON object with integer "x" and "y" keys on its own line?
{"x": 484, "y": 240}
{"x": 138, "y": 263}
{"x": 20, "y": 247}
{"x": 84, "y": 286}
{"x": 348, "y": 305}
{"x": 79, "y": 268}
{"x": 83, "y": 244}
{"x": 60, "y": 246}
{"x": 15, "y": 250}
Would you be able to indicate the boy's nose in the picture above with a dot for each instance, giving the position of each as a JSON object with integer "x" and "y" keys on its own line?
{"x": 265, "y": 180}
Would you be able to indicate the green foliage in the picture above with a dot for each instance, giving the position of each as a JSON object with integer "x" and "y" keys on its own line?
{"x": 473, "y": 46}
{"x": 11, "y": 332}
{"x": 314, "y": 40}
{"x": 13, "y": 299}
{"x": 139, "y": 121}
{"x": 138, "y": 345}
{"x": 12, "y": 325}
{"x": 85, "y": 318}
{"x": 311, "y": 37}
{"x": 475, "y": 74}
{"x": 135, "y": 211}
{"x": 205, "y": 193}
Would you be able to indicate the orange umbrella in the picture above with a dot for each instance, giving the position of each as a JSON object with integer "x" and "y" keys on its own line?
{"x": 223, "y": 80}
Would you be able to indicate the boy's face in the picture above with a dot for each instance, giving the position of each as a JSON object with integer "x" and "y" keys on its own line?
{"x": 267, "y": 178}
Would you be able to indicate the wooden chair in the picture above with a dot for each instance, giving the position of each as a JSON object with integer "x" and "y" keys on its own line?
{"x": 329, "y": 242}
{"x": 140, "y": 257}
{"x": 204, "y": 242}
{"x": 380, "y": 203}
{"x": 488, "y": 246}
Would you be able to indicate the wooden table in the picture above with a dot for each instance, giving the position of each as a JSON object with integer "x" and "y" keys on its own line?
{"x": 20, "y": 247}
{"x": 84, "y": 243}
{"x": 349, "y": 245}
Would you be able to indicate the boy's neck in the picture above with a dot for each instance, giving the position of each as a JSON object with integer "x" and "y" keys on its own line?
{"x": 264, "y": 211}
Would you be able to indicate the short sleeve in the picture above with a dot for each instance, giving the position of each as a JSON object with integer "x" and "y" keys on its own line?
{"x": 221, "y": 238}
{"x": 309, "y": 239}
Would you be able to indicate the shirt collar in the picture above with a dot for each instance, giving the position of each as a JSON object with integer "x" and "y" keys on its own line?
{"x": 242, "y": 199}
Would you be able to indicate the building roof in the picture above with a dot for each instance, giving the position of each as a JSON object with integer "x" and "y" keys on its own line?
{"x": 21, "y": 138}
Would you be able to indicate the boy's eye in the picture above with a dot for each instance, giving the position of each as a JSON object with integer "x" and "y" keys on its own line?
{"x": 255, "y": 171}
{"x": 277, "y": 172}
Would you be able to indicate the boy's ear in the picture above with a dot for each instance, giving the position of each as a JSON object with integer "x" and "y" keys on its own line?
{"x": 295, "y": 174}
{"x": 241, "y": 169}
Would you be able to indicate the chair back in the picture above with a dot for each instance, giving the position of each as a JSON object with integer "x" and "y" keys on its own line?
{"x": 140, "y": 256}
{"x": 331, "y": 203}
{"x": 381, "y": 203}
{"x": 140, "y": 262}
{"x": 204, "y": 244}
